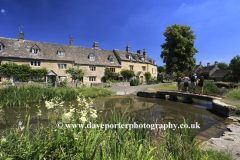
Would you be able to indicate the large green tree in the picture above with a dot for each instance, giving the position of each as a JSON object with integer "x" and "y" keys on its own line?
{"x": 127, "y": 73}
{"x": 234, "y": 66}
{"x": 179, "y": 50}
{"x": 223, "y": 65}
{"x": 76, "y": 73}
{"x": 161, "y": 69}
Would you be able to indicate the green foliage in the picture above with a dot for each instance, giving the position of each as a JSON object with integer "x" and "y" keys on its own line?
{"x": 63, "y": 83}
{"x": 127, "y": 73}
{"x": 179, "y": 50}
{"x": 179, "y": 73}
{"x": 107, "y": 86}
{"x": 161, "y": 69}
{"x": 234, "y": 66}
{"x": 23, "y": 71}
{"x": 38, "y": 80}
{"x": 227, "y": 77}
{"x": 143, "y": 83}
{"x": 114, "y": 81}
{"x": 223, "y": 65}
{"x": 134, "y": 81}
{"x": 108, "y": 75}
{"x": 147, "y": 76}
{"x": 76, "y": 73}
{"x": 205, "y": 75}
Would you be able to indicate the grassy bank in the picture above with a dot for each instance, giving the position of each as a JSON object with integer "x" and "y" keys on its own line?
{"x": 12, "y": 95}
{"x": 209, "y": 88}
{"x": 231, "y": 103}
{"x": 97, "y": 143}
{"x": 233, "y": 94}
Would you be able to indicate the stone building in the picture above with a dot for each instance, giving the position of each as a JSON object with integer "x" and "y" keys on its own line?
{"x": 57, "y": 58}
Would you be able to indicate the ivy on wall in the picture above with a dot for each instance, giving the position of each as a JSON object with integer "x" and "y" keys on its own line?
{"x": 23, "y": 71}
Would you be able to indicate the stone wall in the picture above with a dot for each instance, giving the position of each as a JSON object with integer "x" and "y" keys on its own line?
{"x": 41, "y": 84}
{"x": 223, "y": 108}
{"x": 117, "y": 84}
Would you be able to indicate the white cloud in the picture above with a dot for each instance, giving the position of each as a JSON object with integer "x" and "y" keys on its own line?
{"x": 3, "y": 11}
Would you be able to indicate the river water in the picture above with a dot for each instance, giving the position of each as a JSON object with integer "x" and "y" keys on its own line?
{"x": 151, "y": 110}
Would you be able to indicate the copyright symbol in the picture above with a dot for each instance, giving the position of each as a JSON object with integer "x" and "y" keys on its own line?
{"x": 59, "y": 125}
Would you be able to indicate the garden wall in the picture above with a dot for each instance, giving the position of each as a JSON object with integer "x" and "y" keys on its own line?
{"x": 42, "y": 84}
{"x": 117, "y": 84}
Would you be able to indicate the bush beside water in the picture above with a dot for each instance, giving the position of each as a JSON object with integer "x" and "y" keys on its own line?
{"x": 13, "y": 95}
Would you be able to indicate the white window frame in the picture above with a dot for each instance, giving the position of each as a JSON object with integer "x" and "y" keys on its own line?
{"x": 35, "y": 63}
{"x": 35, "y": 51}
{"x": 111, "y": 59}
{"x": 92, "y": 79}
{"x": 92, "y": 68}
{"x": 61, "y": 53}
{"x": 62, "y": 66}
{"x": 143, "y": 68}
{"x": 92, "y": 58}
{"x": 131, "y": 67}
{"x": 130, "y": 58}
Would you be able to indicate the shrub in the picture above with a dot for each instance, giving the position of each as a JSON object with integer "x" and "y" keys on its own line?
{"x": 38, "y": 80}
{"x": 134, "y": 82}
{"x": 107, "y": 86}
{"x": 143, "y": 83}
{"x": 63, "y": 83}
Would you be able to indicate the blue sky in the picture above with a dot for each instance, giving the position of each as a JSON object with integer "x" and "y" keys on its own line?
{"x": 216, "y": 23}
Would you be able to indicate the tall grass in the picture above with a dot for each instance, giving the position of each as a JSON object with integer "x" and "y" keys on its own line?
{"x": 13, "y": 95}
{"x": 233, "y": 94}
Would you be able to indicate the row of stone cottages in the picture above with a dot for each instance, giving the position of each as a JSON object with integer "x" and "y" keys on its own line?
{"x": 57, "y": 58}
{"x": 213, "y": 71}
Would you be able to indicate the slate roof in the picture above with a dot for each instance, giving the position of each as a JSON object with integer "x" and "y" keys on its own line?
{"x": 205, "y": 69}
{"x": 196, "y": 67}
{"x": 123, "y": 55}
{"x": 220, "y": 73}
{"x": 48, "y": 51}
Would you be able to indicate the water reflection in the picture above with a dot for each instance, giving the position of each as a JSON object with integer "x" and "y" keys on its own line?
{"x": 151, "y": 110}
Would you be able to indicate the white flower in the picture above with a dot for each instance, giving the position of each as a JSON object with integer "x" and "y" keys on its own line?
{"x": 72, "y": 110}
{"x": 83, "y": 119}
{"x": 3, "y": 139}
{"x": 22, "y": 128}
{"x": 94, "y": 116}
{"x": 20, "y": 123}
{"x": 67, "y": 117}
{"x": 39, "y": 113}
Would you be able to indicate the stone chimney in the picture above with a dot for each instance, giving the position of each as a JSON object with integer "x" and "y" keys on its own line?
{"x": 127, "y": 48}
{"x": 139, "y": 51}
{"x": 95, "y": 45}
{"x": 208, "y": 64}
{"x": 71, "y": 42}
{"x": 144, "y": 53}
{"x": 200, "y": 63}
{"x": 216, "y": 63}
{"x": 21, "y": 36}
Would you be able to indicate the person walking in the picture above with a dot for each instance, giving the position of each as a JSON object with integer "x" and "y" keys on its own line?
{"x": 193, "y": 83}
{"x": 200, "y": 85}
{"x": 179, "y": 83}
{"x": 186, "y": 79}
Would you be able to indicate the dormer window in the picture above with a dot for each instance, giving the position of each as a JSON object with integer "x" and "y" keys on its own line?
{"x": 111, "y": 59}
{"x": 92, "y": 58}
{"x": 143, "y": 59}
{"x": 61, "y": 52}
{"x": 130, "y": 58}
{"x": 1, "y": 47}
{"x": 136, "y": 58}
{"x": 35, "y": 49}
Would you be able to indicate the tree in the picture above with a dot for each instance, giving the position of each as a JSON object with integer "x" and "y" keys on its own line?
{"x": 234, "y": 66}
{"x": 147, "y": 75}
{"x": 76, "y": 73}
{"x": 127, "y": 73}
{"x": 108, "y": 75}
{"x": 161, "y": 69}
{"x": 223, "y": 65}
{"x": 178, "y": 51}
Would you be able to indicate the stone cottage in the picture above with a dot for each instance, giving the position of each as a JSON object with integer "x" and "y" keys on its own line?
{"x": 57, "y": 58}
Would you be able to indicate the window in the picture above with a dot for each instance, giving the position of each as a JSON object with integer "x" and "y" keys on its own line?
{"x": 111, "y": 59}
{"x": 131, "y": 67}
{"x": 91, "y": 68}
{"x": 154, "y": 62}
{"x": 0, "y": 62}
{"x": 130, "y": 58}
{"x": 35, "y": 63}
{"x": 33, "y": 78}
{"x": 0, "y": 79}
{"x": 62, "y": 66}
{"x": 144, "y": 68}
{"x": 155, "y": 71}
{"x": 152, "y": 70}
{"x": 92, "y": 58}
{"x": 35, "y": 51}
{"x": 143, "y": 59}
{"x": 112, "y": 69}
{"x": 0, "y": 48}
{"x": 92, "y": 79}
{"x": 61, "y": 53}
{"x": 136, "y": 58}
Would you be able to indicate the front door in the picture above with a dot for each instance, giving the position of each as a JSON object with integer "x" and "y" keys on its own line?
{"x": 141, "y": 79}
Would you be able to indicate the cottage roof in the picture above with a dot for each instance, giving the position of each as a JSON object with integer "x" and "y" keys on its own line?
{"x": 205, "y": 69}
{"x": 48, "y": 51}
{"x": 123, "y": 56}
{"x": 138, "y": 73}
{"x": 196, "y": 67}
{"x": 220, "y": 73}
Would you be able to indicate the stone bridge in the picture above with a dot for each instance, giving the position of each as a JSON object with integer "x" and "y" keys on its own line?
{"x": 217, "y": 106}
